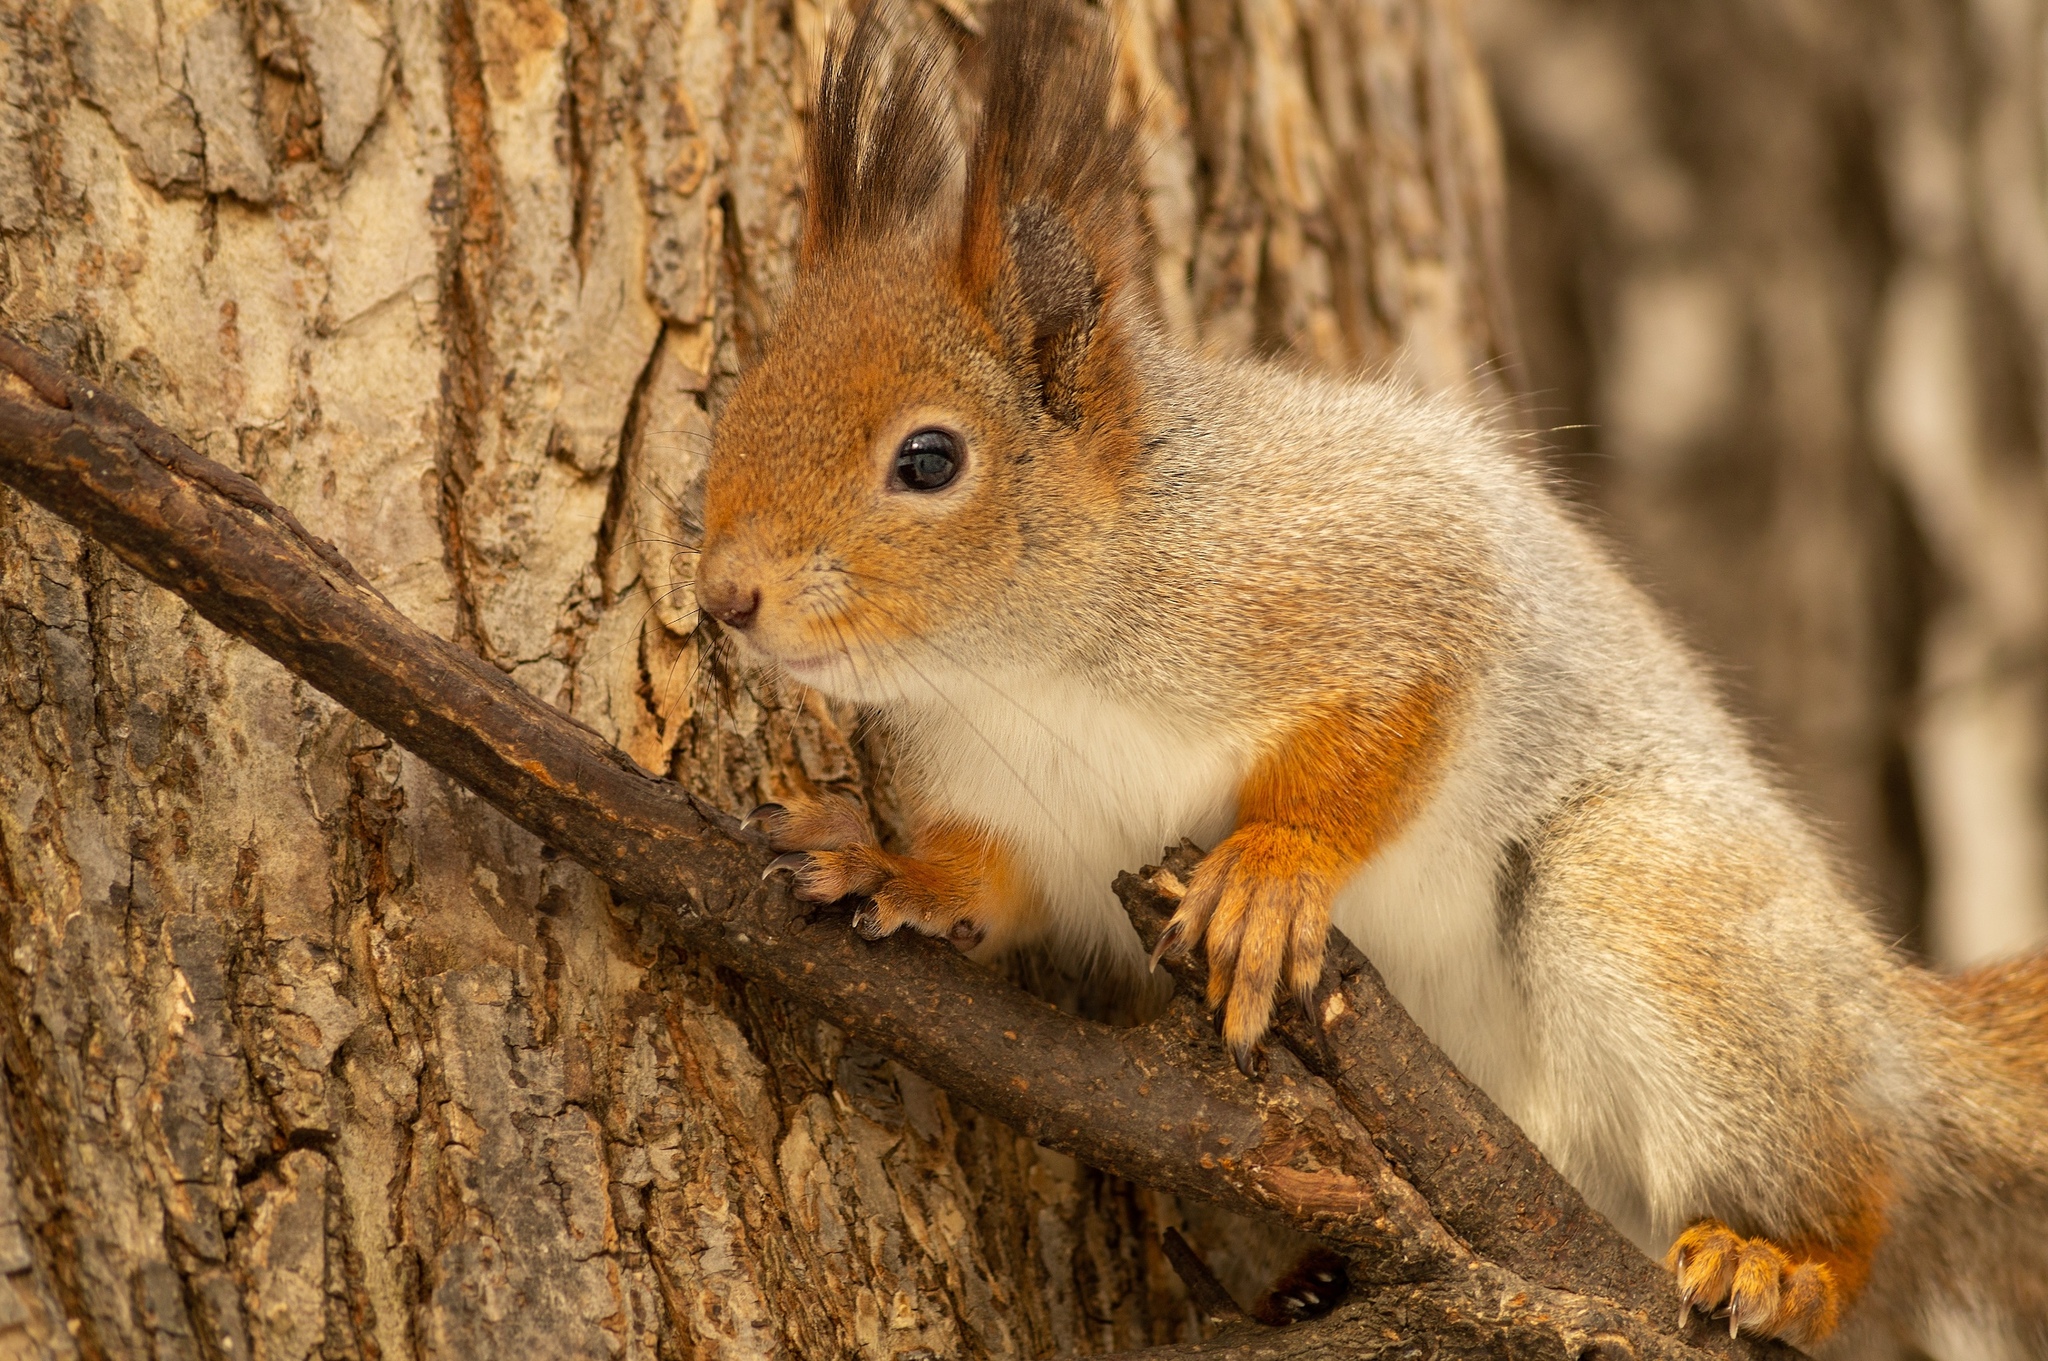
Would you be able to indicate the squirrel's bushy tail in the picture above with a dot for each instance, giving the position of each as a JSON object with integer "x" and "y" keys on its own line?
{"x": 1965, "y": 1267}
{"x": 1974, "y": 1241}
{"x": 2006, "y": 1005}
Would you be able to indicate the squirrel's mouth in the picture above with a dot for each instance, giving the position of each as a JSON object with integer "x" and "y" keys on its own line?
{"x": 816, "y": 669}
{"x": 773, "y": 642}
{"x": 837, "y": 674}
{"x": 833, "y": 657}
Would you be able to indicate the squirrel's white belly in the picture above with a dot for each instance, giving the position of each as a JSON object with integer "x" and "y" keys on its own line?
{"x": 1427, "y": 911}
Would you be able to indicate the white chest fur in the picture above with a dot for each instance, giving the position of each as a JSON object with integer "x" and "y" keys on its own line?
{"x": 1081, "y": 786}
{"x": 1078, "y": 785}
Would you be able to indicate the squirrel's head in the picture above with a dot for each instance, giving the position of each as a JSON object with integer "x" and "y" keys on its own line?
{"x": 947, "y": 409}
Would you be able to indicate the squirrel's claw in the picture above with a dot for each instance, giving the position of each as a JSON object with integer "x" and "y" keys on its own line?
{"x": 803, "y": 822}
{"x": 884, "y": 915}
{"x": 1756, "y": 1285}
{"x": 1169, "y": 944}
{"x": 793, "y": 864}
{"x": 761, "y": 814}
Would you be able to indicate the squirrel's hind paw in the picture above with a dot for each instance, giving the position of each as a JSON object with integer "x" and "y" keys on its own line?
{"x": 1312, "y": 1288}
{"x": 1757, "y": 1285}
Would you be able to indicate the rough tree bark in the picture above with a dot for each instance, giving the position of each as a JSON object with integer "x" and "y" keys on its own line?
{"x": 309, "y": 1052}
{"x": 1784, "y": 269}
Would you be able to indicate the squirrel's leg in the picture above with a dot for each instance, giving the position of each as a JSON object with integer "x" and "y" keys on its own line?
{"x": 956, "y": 883}
{"x": 1796, "y": 1292}
{"x": 1317, "y": 805}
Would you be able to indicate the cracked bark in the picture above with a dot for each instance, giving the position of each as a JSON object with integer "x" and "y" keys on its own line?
{"x": 308, "y": 1050}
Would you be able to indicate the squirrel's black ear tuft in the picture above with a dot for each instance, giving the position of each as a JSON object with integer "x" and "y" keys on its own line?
{"x": 1049, "y": 232}
{"x": 879, "y": 151}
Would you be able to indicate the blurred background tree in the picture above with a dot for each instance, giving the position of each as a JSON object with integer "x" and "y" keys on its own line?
{"x": 1781, "y": 277}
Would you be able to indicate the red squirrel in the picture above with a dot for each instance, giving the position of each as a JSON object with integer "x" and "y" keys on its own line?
{"x": 1107, "y": 594}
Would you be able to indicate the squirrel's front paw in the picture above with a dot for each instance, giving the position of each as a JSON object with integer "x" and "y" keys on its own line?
{"x": 829, "y": 854}
{"x": 1761, "y": 1288}
{"x": 1261, "y": 901}
{"x": 806, "y": 822}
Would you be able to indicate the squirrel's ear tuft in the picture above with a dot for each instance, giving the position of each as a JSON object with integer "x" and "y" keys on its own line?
{"x": 1049, "y": 231}
{"x": 879, "y": 152}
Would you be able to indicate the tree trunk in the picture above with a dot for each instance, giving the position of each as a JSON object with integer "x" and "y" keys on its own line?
{"x": 1784, "y": 270}
{"x": 307, "y": 1051}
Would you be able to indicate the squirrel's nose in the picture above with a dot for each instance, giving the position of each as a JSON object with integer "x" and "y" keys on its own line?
{"x": 729, "y": 602}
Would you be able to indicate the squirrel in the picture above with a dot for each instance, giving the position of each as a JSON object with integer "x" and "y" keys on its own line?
{"x": 1107, "y": 593}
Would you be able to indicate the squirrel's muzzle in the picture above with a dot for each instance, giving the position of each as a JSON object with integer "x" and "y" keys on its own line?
{"x": 725, "y": 594}
{"x": 730, "y": 604}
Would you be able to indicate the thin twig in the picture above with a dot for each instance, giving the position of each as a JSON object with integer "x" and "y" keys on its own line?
{"x": 1207, "y": 1293}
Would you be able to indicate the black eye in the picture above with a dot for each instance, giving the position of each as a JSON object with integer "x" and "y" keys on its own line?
{"x": 927, "y": 460}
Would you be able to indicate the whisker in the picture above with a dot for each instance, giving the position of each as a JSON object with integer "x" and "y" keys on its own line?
{"x": 707, "y": 640}
{"x": 657, "y": 539}
{"x": 683, "y": 517}
{"x": 648, "y": 604}
{"x": 668, "y": 678}
{"x": 974, "y": 674}
{"x": 743, "y": 677}
{"x": 676, "y": 588}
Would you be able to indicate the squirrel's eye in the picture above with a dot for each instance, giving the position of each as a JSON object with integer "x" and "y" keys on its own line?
{"x": 927, "y": 460}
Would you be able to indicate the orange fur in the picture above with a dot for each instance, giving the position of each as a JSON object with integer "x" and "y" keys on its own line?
{"x": 958, "y": 882}
{"x": 1013, "y": 331}
{"x": 1348, "y": 774}
{"x": 808, "y": 822}
{"x": 1335, "y": 789}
